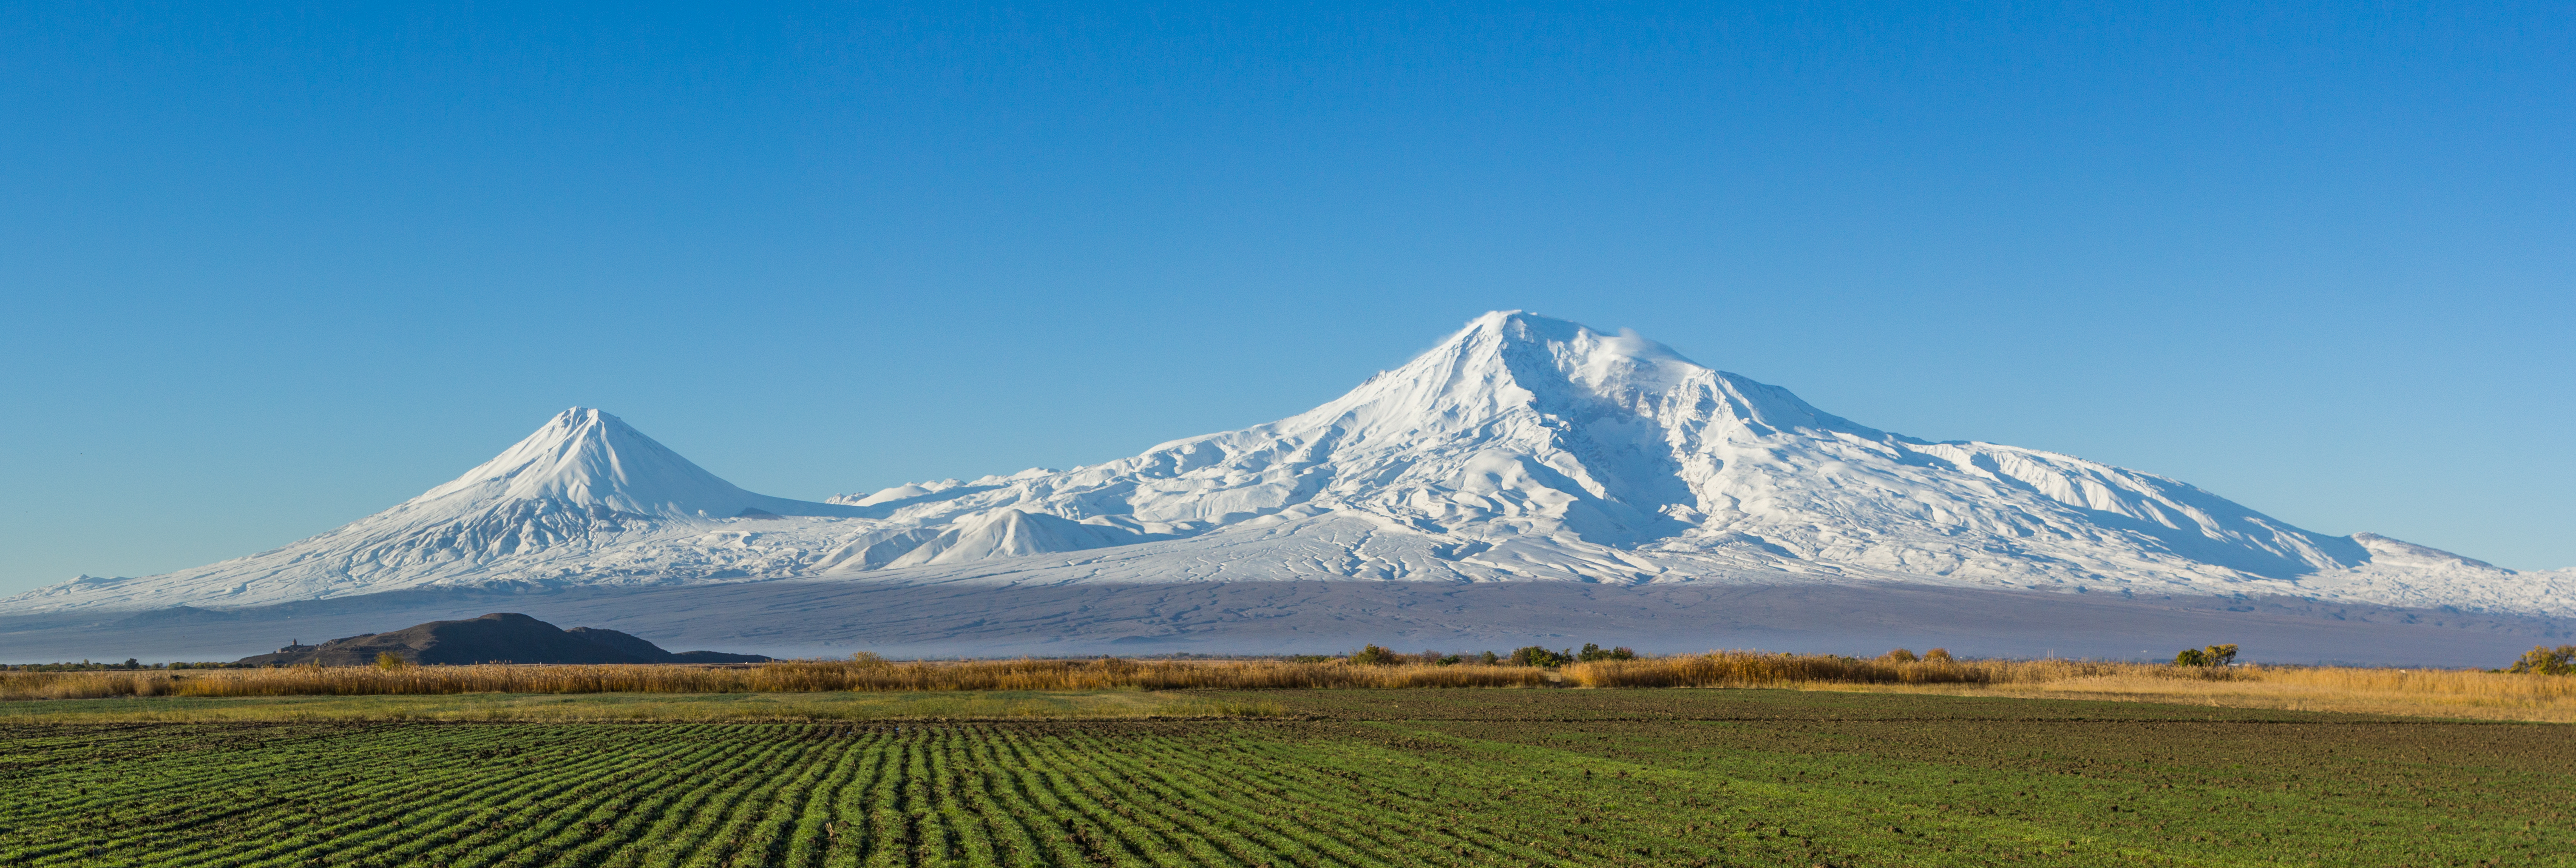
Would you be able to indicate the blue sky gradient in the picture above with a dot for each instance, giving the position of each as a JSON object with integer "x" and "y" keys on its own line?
{"x": 268, "y": 270}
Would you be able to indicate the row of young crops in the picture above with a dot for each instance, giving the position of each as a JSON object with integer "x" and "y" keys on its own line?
{"x": 1375, "y": 778}
{"x": 609, "y": 795}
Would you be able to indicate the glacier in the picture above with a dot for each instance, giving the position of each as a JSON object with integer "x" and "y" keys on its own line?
{"x": 1522, "y": 448}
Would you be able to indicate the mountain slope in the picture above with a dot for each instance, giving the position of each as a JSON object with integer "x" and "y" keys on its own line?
{"x": 1520, "y": 448}
{"x": 1524, "y": 433}
{"x": 585, "y": 498}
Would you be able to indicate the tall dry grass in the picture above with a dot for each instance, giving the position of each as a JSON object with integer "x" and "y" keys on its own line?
{"x": 780, "y": 677}
{"x": 2464, "y": 693}
{"x": 1757, "y": 669}
{"x": 2425, "y": 692}
{"x": 2418, "y": 692}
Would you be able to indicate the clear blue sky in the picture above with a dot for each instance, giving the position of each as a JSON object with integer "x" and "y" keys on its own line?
{"x": 268, "y": 270}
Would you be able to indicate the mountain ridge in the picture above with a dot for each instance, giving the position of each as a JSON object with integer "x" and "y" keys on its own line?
{"x": 1521, "y": 448}
{"x": 499, "y": 637}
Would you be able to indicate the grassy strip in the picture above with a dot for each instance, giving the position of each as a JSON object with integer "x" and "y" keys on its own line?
{"x": 789, "y": 676}
{"x": 623, "y": 707}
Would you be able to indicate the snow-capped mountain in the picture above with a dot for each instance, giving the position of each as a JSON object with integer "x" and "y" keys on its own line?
{"x": 586, "y": 497}
{"x": 1522, "y": 448}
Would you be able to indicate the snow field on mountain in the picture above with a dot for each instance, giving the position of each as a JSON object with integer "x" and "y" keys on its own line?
{"x": 1522, "y": 448}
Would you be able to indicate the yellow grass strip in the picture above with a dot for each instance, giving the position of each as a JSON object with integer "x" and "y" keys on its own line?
{"x": 2420, "y": 692}
{"x": 2428, "y": 692}
{"x": 1758, "y": 669}
{"x": 2411, "y": 692}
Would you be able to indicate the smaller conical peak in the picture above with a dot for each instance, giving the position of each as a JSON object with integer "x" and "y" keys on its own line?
{"x": 590, "y": 458}
{"x": 579, "y": 416}
{"x": 577, "y": 422}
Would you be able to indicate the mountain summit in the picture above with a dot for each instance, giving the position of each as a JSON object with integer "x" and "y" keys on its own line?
{"x": 1521, "y": 448}
{"x": 588, "y": 462}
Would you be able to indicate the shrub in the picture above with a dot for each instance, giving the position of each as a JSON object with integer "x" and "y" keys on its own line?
{"x": 1489, "y": 658}
{"x": 1451, "y": 660}
{"x": 2543, "y": 660}
{"x": 389, "y": 661}
{"x": 1373, "y": 655}
{"x": 2214, "y": 655}
{"x": 1533, "y": 655}
{"x": 867, "y": 660}
{"x": 1937, "y": 654}
{"x": 1899, "y": 655}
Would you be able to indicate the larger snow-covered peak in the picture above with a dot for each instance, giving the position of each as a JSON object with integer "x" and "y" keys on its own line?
{"x": 1543, "y": 448}
{"x": 1507, "y": 361}
{"x": 1514, "y": 363}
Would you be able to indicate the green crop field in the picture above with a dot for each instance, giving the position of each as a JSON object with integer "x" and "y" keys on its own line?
{"x": 1408, "y": 777}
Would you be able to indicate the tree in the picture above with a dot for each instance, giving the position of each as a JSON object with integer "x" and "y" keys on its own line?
{"x": 1941, "y": 655}
{"x": 1534, "y": 655}
{"x": 1593, "y": 651}
{"x": 1373, "y": 655}
{"x": 1899, "y": 655}
{"x": 1488, "y": 658}
{"x": 390, "y": 661}
{"x": 2543, "y": 660}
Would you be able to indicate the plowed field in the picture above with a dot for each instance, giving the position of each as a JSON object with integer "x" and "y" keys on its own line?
{"x": 1421, "y": 777}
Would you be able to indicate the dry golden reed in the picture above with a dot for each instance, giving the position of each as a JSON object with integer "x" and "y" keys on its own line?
{"x": 2434, "y": 692}
{"x": 2420, "y": 692}
{"x": 779, "y": 677}
{"x": 1758, "y": 669}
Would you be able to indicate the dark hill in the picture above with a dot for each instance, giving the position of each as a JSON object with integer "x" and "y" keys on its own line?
{"x": 646, "y": 652}
{"x": 500, "y": 637}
